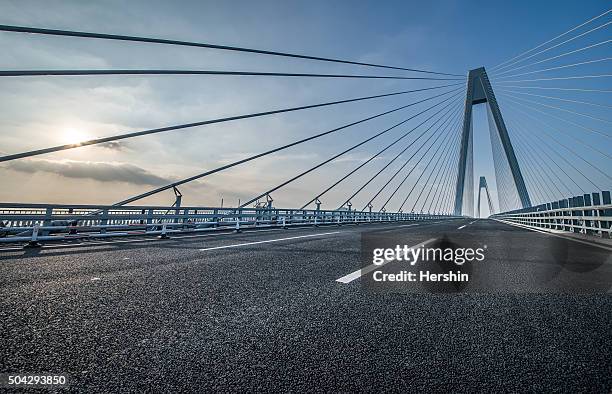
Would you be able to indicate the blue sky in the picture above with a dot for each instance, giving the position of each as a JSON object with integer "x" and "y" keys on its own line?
{"x": 448, "y": 36}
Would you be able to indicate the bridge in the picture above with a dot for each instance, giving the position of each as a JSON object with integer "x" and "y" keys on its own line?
{"x": 133, "y": 295}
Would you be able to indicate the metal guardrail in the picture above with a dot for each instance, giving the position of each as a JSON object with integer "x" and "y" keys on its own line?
{"x": 582, "y": 214}
{"x": 35, "y": 223}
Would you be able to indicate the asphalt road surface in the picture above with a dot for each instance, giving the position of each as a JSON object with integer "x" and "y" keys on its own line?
{"x": 266, "y": 311}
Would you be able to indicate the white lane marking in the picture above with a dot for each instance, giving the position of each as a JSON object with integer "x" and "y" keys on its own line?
{"x": 140, "y": 240}
{"x": 269, "y": 241}
{"x": 555, "y": 235}
{"x": 155, "y": 239}
{"x": 459, "y": 228}
{"x": 360, "y": 272}
{"x": 386, "y": 229}
{"x": 204, "y": 235}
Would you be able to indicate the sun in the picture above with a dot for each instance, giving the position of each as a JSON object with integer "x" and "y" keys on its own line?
{"x": 73, "y": 136}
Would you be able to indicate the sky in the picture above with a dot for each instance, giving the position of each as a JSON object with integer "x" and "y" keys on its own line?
{"x": 445, "y": 36}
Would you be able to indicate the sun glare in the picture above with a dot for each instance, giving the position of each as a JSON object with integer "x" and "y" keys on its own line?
{"x": 74, "y": 136}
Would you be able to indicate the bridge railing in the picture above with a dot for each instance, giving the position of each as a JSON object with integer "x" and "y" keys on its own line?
{"x": 41, "y": 222}
{"x": 589, "y": 214}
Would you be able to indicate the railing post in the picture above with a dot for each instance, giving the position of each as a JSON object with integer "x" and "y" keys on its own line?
{"x": 597, "y": 213}
{"x": 556, "y": 224}
{"x": 33, "y": 243}
{"x": 104, "y": 221}
{"x": 47, "y": 221}
{"x": 578, "y": 223}
{"x": 587, "y": 214}
{"x": 185, "y": 215}
{"x": 150, "y": 216}
{"x": 605, "y": 199}
{"x": 164, "y": 232}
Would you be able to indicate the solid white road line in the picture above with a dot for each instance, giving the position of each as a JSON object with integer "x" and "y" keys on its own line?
{"x": 555, "y": 234}
{"x": 394, "y": 228}
{"x": 269, "y": 241}
{"x": 177, "y": 236}
{"x": 414, "y": 224}
{"x": 360, "y": 272}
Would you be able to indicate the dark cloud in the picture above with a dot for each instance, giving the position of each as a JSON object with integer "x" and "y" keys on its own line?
{"x": 116, "y": 145}
{"x": 100, "y": 171}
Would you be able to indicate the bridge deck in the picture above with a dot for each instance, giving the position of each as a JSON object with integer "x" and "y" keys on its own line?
{"x": 271, "y": 315}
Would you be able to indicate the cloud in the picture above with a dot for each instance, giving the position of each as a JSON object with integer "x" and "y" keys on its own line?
{"x": 99, "y": 171}
{"x": 116, "y": 145}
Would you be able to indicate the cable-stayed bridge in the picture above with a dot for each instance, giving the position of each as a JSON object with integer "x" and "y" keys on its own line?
{"x": 231, "y": 283}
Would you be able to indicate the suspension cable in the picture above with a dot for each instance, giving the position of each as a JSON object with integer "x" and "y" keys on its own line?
{"x": 32, "y": 73}
{"x": 447, "y": 186}
{"x": 552, "y": 137}
{"x": 562, "y": 78}
{"x": 329, "y": 160}
{"x": 556, "y": 68}
{"x": 443, "y": 158}
{"x": 446, "y": 204}
{"x": 406, "y": 148}
{"x": 202, "y": 123}
{"x": 446, "y": 128}
{"x": 430, "y": 173}
{"x": 253, "y": 157}
{"x": 558, "y": 108}
{"x": 538, "y": 192}
{"x": 116, "y": 37}
{"x": 563, "y": 132}
{"x": 557, "y": 98}
{"x": 501, "y": 83}
{"x": 371, "y": 158}
{"x": 551, "y": 40}
{"x": 438, "y": 135}
{"x": 570, "y": 122}
{"x": 555, "y": 46}
{"x": 564, "y": 54}
{"x": 533, "y": 156}
{"x": 446, "y": 174}
{"x": 525, "y": 134}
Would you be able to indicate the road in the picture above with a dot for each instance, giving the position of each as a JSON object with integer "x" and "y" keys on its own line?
{"x": 263, "y": 311}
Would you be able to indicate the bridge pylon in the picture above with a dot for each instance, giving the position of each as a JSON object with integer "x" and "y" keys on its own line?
{"x": 479, "y": 91}
{"x": 483, "y": 185}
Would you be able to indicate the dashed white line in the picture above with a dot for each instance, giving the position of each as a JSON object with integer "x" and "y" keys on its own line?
{"x": 459, "y": 228}
{"x": 268, "y": 241}
{"x": 360, "y": 272}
